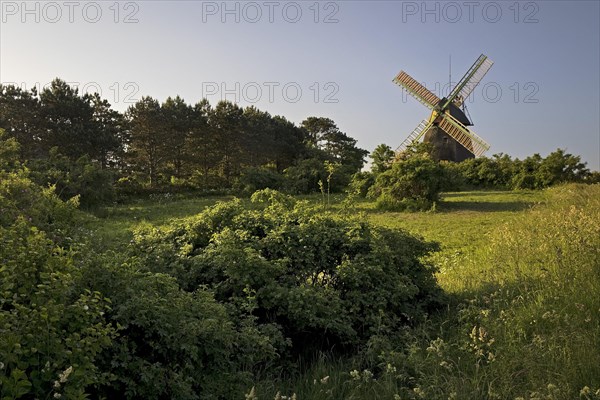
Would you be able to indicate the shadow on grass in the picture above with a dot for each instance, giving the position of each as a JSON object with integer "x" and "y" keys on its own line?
{"x": 459, "y": 206}
{"x": 479, "y": 193}
{"x": 487, "y": 206}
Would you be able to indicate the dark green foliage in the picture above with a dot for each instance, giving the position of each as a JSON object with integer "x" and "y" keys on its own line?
{"x": 45, "y": 327}
{"x": 172, "y": 343}
{"x": 318, "y": 173}
{"x": 176, "y": 146}
{"x": 59, "y": 335}
{"x": 304, "y": 177}
{"x": 361, "y": 183}
{"x": 301, "y": 273}
{"x": 210, "y": 182}
{"x": 129, "y": 186}
{"x": 533, "y": 172}
{"x": 558, "y": 167}
{"x": 316, "y": 128}
{"x": 148, "y": 138}
{"x": 487, "y": 172}
{"x": 253, "y": 179}
{"x": 9, "y": 152}
{"x": 454, "y": 180}
{"x": 327, "y": 145}
{"x": 81, "y": 178}
{"x": 58, "y": 116}
{"x": 591, "y": 178}
{"x": 413, "y": 183}
{"x": 20, "y": 198}
{"x": 19, "y": 112}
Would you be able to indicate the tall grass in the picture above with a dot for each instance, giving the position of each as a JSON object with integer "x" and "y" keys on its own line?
{"x": 531, "y": 325}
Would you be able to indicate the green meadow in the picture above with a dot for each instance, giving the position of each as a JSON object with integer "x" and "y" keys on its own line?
{"x": 521, "y": 274}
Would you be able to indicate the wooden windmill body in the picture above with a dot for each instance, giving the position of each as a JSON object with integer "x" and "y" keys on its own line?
{"x": 446, "y": 129}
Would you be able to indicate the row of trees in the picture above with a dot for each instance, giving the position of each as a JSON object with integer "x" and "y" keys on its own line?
{"x": 82, "y": 146}
{"x": 499, "y": 170}
{"x": 533, "y": 172}
{"x": 156, "y": 144}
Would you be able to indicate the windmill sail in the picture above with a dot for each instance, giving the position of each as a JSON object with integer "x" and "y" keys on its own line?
{"x": 415, "y": 135}
{"x": 417, "y": 90}
{"x": 469, "y": 82}
{"x": 462, "y": 135}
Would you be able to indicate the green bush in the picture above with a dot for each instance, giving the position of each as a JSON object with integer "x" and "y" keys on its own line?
{"x": 210, "y": 182}
{"x": 308, "y": 278}
{"x": 304, "y": 177}
{"x": 361, "y": 183}
{"x": 81, "y": 177}
{"x": 253, "y": 179}
{"x": 22, "y": 199}
{"x": 534, "y": 172}
{"x": 413, "y": 183}
{"x": 454, "y": 180}
{"x": 60, "y": 335}
{"x": 51, "y": 334}
{"x": 9, "y": 152}
{"x": 172, "y": 343}
{"x": 128, "y": 186}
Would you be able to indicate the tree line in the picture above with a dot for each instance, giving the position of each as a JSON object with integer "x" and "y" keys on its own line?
{"x": 413, "y": 180}
{"x": 155, "y": 145}
{"x": 82, "y": 146}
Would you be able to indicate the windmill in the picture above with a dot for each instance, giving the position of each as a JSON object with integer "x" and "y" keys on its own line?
{"x": 446, "y": 129}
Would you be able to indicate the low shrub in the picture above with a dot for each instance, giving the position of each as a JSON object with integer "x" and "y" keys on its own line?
{"x": 253, "y": 179}
{"x": 311, "y": 278}
{"x": 171, "y": 343}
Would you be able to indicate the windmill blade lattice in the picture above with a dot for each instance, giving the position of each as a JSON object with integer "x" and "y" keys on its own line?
{"x": 469, "y": 82}
{"x": 464, "y": 136}
{"x": 415, "y": 135}
{"x": 418, "y": 91}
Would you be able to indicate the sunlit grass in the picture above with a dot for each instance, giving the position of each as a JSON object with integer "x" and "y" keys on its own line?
{"x": 461, "y": 220}
{"x": 115, "y": 224}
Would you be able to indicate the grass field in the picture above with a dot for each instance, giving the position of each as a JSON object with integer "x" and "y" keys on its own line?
{"x": 468, "y": 215}
{"x": 522, "y": 274}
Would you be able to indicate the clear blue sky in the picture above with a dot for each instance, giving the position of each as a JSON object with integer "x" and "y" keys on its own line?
{"x": 542, "y": 93}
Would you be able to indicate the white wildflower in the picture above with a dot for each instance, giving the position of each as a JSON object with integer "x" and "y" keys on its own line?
{"x": 65, "y": 374}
